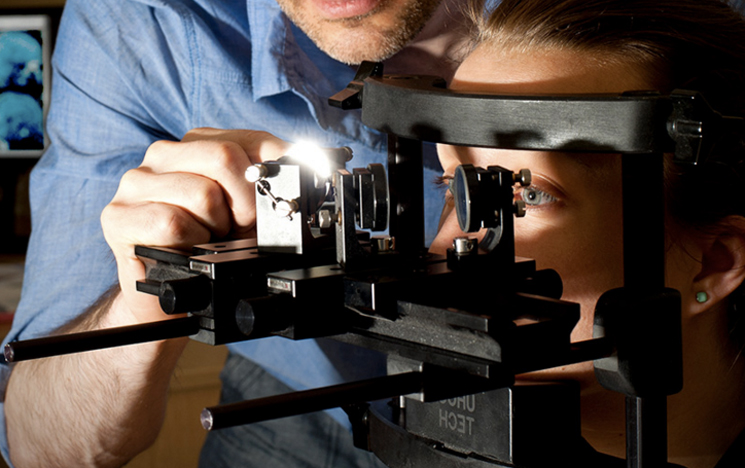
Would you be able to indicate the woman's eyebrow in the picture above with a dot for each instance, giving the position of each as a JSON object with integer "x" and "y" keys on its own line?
{"x": 592, "y": 162}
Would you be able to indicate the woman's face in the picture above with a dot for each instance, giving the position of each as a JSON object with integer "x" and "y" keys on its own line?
{"x": 573, "y": 222}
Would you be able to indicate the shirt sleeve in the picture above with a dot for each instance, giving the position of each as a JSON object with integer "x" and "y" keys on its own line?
{"x": 105, "y": 112}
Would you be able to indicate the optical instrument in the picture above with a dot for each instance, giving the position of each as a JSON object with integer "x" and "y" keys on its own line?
{"x": 340, "y": 254}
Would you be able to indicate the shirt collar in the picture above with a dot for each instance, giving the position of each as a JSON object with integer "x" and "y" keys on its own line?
{"x": 284, "y": 59}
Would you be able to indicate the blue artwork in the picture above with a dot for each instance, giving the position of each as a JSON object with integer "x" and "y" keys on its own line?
{"x": 21, "y": 83}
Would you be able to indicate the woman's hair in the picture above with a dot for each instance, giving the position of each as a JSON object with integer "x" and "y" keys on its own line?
{"x": 680, "y": 43}
{"x": 697, "y": 45}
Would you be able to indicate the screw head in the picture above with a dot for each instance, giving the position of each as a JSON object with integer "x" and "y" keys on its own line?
{"x": 256, "y": 172}
{"x": 286, "y": 207}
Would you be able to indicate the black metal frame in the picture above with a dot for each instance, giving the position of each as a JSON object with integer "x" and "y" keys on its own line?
{"x": 651, "y": 125}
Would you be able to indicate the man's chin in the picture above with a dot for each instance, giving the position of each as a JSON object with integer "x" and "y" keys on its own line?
{"x": 373, "y": 36}
{"x": 356, "y": 48}
{"x": 356, "y": 40}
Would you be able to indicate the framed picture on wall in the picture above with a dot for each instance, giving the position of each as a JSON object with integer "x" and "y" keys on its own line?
{"x": 25, "y": 82}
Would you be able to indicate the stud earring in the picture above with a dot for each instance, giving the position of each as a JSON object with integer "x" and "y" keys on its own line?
{"x": 702, "y": 297}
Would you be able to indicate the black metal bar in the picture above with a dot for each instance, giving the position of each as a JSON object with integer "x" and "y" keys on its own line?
{"x": 643, "y": 221}
{"x": 100, "y": 339}
{"x": 644, "y": 269}
{"x": 309, "y": 401}
{"x": 581, "y": 351}
{"x": 406, "y": 182}
{"x": 646, "y": 418}
{"x": 417, "y": 108}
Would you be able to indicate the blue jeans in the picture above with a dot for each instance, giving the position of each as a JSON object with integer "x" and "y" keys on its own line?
{"x": 307, "y": 441}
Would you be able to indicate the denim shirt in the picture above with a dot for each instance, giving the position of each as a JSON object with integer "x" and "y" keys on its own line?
{"x": 129, "y": 72}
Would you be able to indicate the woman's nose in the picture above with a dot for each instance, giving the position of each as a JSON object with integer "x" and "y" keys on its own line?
{"x": 449, "y": 231}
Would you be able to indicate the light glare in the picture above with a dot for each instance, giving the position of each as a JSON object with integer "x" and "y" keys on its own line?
{"x": 313, "y": 156}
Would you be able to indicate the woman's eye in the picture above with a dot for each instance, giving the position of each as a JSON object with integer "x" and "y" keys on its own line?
{"x": 535, "y": 197}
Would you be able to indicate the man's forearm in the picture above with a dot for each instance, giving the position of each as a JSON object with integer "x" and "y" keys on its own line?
{"x": 90, "y": 409}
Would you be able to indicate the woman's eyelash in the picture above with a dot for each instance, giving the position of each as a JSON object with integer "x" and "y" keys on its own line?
{"x": 534, "y": 197}
{"x": 442, "y": 181}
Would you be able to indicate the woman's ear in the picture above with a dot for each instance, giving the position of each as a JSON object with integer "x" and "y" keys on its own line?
{"x": 722, "y": 267}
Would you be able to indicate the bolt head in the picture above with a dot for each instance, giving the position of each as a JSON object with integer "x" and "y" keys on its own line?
{"x": 325, "y": 219}
{"x": 255, "y": 173}
{"x": 464, "y": 245}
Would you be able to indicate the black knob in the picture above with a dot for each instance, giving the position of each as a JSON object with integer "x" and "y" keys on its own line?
{"x": 185, "y": 295}
{"x": 262, "y": 316}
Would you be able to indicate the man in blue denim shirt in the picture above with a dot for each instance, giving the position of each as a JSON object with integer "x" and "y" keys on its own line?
{"x": 142, "y": 78}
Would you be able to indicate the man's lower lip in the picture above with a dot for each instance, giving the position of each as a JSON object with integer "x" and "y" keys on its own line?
{"x": 340, "y": 9}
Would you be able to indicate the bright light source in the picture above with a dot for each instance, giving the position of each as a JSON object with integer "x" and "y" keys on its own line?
{"x": 312, "y": 155}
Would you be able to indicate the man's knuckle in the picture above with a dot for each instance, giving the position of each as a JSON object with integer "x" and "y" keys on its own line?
{"x": 228, "y": 155}
{"x": 155, "y": 149}
{"x": 171, "y": 224}
{"x": 108, "y": 214}
{"x": 211, "y": 197}
{"x": 130, "y": 178}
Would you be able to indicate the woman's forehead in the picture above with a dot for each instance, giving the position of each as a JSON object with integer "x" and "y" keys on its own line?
{"x": 543, "y": 71}
{"x": 491, "y": 68}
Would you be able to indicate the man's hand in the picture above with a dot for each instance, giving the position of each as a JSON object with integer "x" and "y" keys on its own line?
{"x": 102, "y": 408}
{"x": 184, "y": 193}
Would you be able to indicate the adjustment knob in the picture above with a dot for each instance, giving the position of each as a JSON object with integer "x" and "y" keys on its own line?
{"x": 523, "y": 177}
{"x": 185, "y": 295}
{"x": 520, "y": 208}
{"x": 261, "y": 316}
{"x": 256, "y": 172}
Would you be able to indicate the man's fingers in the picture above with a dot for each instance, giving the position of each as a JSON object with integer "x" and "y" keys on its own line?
{"x": 201, "y": 197}
{"x": 259, "y": 146}
{"x": 155, "y": 224}
{"x": 224, "y": 162}
{"x": 207, "y": 157}
{"x": 203, "y": 176}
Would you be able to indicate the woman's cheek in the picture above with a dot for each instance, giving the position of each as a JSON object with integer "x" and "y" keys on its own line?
{"x": 586, "y": 256}
{"x": 540, "y": 239}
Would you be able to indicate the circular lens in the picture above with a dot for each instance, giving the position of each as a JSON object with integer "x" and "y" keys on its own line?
{"x": 463, "y": 187}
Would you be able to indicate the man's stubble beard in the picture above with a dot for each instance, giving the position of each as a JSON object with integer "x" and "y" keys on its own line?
{"x": 352, "y": 40}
